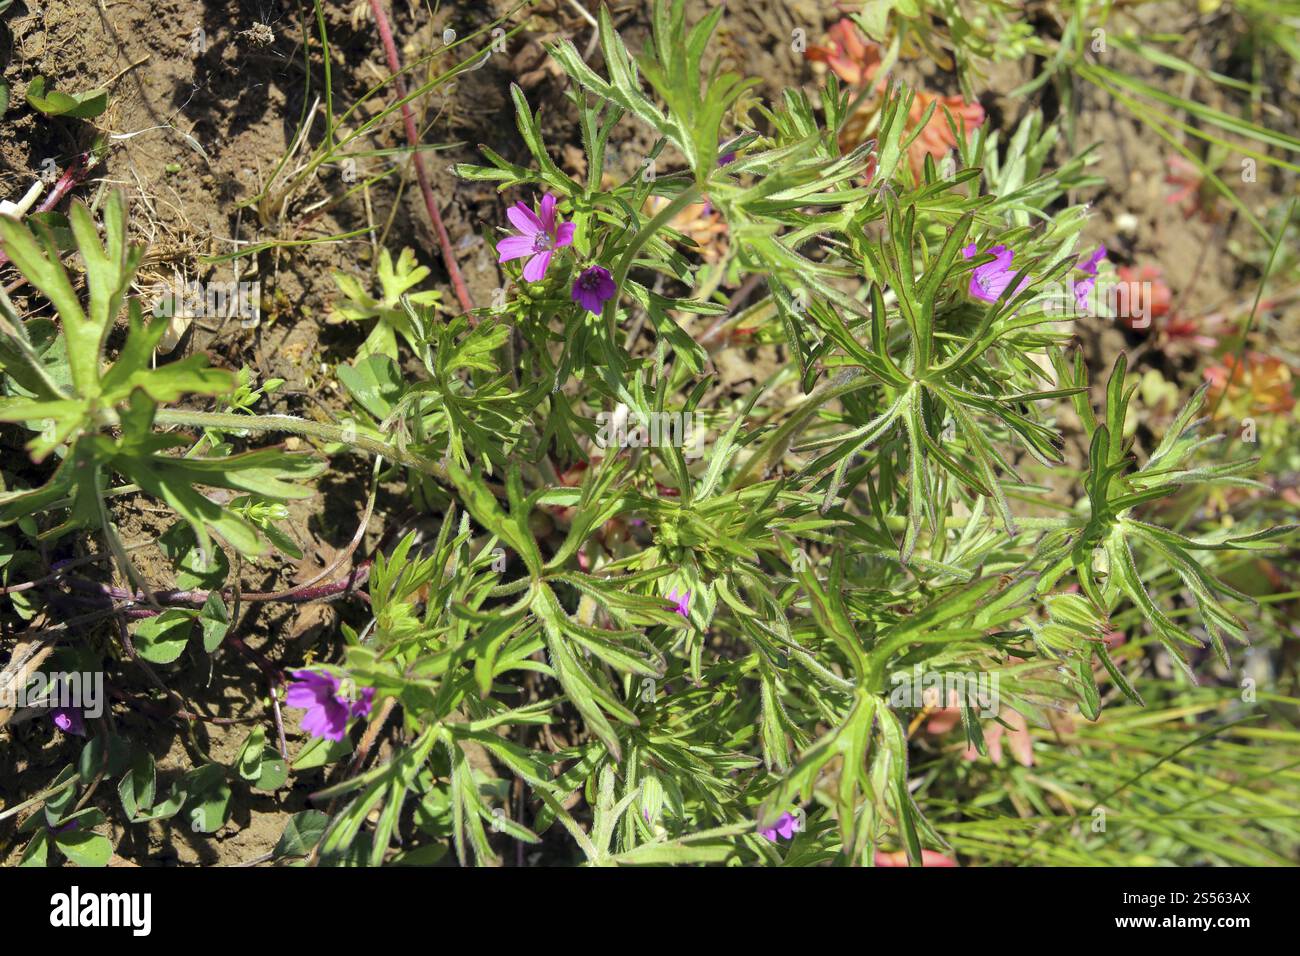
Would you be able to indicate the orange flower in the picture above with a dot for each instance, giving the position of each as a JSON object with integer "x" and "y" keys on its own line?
{"x": 1183, "y": 330}
{"x": 1141, "y": 295}
{"x": 852, "y": 60}
{"x": 937, "y": 138}
{"x": 1259, "y": 385}
{"x": 856, "y": 62}
{"x": 1018, "y": 738}
{"x": 944, "y": 719}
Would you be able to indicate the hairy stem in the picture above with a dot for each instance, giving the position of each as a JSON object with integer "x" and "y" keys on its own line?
{"x": 413, "y": 137}
{"x": 197, "y": 598}
{"x": 661, "y": 219}
{"x": 292, "y": 425}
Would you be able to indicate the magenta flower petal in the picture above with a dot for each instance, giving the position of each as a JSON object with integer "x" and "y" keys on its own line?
{"x": 1082, "y": 291}
{"x": 303, "y": 697}
{"x": 535, "y": 268}
{"x": 585, "y": 297}
{"x": 1089, "y": 265}
{"x": 785, "y": 827}
{"x": 989, "y": 281}
{"x": 361, "y": 706}
{"x": 310, "y": 688}
{"x": 593, "y": 288}
{"x": 330, "y": 720}
{"x": 69, "y": 720}
{"x": 547, "y": 215}
{"x": 1083, "y": 288}
{"x": 524, "y": 219}
{"x": 682, "y": 603}
{"x": 992, "y": 285}
{"x": 540, "y": 234}
{"x": 1002, "y": 256}
{"x": 514, "y": 247}
{"x": 327, "y": 713}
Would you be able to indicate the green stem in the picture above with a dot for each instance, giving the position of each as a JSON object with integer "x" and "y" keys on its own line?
{"x": 899, "y": 522}
{"x": 776, "y": 444}
{"x": 878, "y": 657}
{"x": 300, "y": 426}
{"x": 680, "y": 202}
{"x": 40, "y": 797}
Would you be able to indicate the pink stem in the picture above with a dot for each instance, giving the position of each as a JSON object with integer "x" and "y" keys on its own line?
{"x": 413, "y": 136}
{"x": 71, "y": 176}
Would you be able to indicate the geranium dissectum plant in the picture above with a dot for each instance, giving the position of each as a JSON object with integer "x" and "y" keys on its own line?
{"x": 859, "y": 481}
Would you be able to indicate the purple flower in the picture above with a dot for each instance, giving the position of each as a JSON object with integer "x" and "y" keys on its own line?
{"x": 69, "y": 720}
{"x": 728, "y": 155}
{"x": 593, "y": 288}
{"x": 785, "y": 827}
{"x": 990, "y": 280}
{"x": 682, "y": 603}
{"x": 1090, "y": 264}
{"x": 1083, "y": 288}
{"x": 541, "y": 235}
{"x": 327, "y": 710}
{"x": 364, "y": 702}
